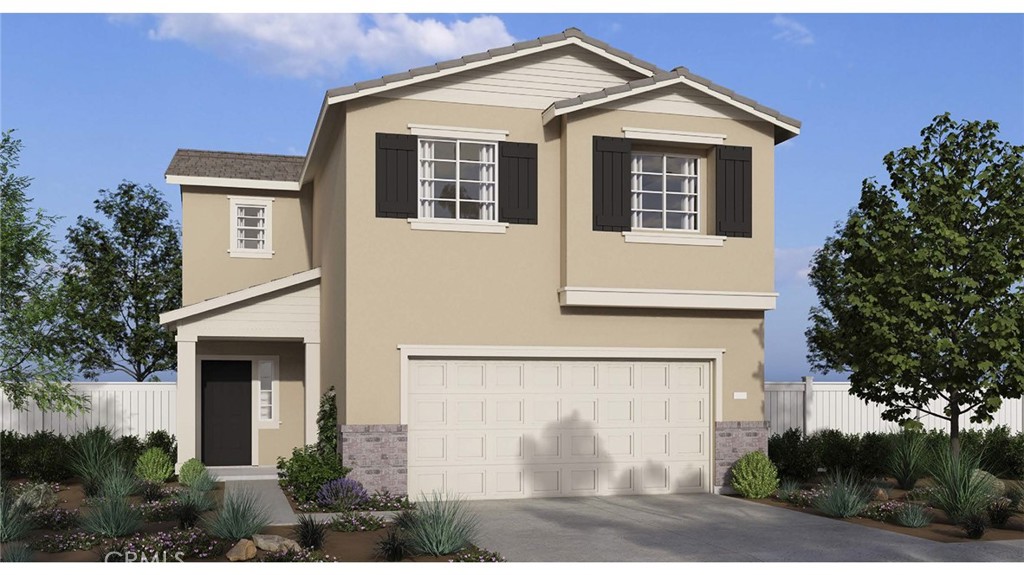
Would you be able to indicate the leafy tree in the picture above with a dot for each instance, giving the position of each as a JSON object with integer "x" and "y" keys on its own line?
{"x": 921, "y": 291}
{"x": 33, "y": 364}
{"x": 120, "y": 277}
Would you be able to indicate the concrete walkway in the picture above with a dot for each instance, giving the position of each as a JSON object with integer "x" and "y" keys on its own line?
{"x": 269, "y": 492}
{"x": 700, "y": 528}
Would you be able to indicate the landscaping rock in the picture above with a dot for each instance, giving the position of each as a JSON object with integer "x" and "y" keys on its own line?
{"x": 275, "y": 543}
{"x": 879, "y": 494}
{"x": 998, "y": 487}
{"x": 244, "y": 550}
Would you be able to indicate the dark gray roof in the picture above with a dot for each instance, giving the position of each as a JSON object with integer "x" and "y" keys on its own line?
{"x": 236, "y": 165}
{"x": 568, "y": 33}
{"x": 676, "y": 73}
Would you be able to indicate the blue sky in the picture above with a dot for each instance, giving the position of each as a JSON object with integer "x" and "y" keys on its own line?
{"x": 97, "y": 99}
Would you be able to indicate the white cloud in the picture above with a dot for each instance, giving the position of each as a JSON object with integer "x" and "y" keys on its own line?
{"x": 303, "y": 45}
{"x": 793, "y": 264}
{"x": 789, "y": 30}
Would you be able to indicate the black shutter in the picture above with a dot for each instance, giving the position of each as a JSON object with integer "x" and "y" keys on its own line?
{"x": 517, "y": 183}
{"x": 396, "y": 176}
{"x": 612, "y": 158}
{"x": 733, "y": 191}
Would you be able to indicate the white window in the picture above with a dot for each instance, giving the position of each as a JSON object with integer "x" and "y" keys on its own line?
{"x": 458, "y": 179}
{"x": 250, "y": 227}
{"x": 268, "y": 408}
{"x": 665, "y": 192}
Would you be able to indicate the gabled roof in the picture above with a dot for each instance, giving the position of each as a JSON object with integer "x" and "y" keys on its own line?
{"x": 236, "y": 297}
{"x": 568, "y": 36}
{"x": 785, "y": 127}
{"x": 235, "y": 170}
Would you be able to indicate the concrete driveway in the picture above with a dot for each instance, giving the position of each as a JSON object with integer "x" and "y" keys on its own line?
{"x": 700, "y": 528}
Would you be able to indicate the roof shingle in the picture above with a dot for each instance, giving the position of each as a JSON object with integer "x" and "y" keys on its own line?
{"x": 236, "y": 165}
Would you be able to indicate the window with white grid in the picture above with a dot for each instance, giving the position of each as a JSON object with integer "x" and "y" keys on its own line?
{"x": 267, "y": 399}
{"x": 458, "y": 179}
{"x": 665, "y": 192}
{"x": 250, "y": 227}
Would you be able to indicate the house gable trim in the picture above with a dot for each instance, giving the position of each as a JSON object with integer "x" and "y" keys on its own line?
{"x": 233, "y": 183}
{"x": 176, "y": 316}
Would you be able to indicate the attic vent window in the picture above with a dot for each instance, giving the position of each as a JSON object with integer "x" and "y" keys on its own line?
{"x": 250, "y": 227}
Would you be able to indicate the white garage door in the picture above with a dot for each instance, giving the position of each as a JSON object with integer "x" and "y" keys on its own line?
{"x": 505, "y": 429}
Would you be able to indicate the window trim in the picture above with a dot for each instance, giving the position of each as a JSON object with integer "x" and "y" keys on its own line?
{"x": 234, "y": 202}
{"x": 663, "y": 231}
{"x": 456, "y": 222}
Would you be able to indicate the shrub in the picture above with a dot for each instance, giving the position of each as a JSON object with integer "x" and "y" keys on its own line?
{"x": 154, "y": 465}
{"x": 1016, "y": 457}
{"x": 36, "y": 495}
{"x": 788, "y": 488}
{"x": 92, "y": 454}
{"x": 190, "y": 471}
{"x": 844, "y": 496}
{"x": 974, "y": 524}
{"x": 908, "y": 459}
{"x": 15, "y": 521}
{"x": 307, "y": 470}
{"x": 327, "y": 423}
{"x": 19, "y": 553}
{"x": 130, "y": 447}
{"x": 43, "y": 456}
{"x": 911, "y": 515}
{"x": 1015, "y": 494}
{"x": 164, "y": 441}
{"x": 152, "y": 492}
{"x": 349, "y": 521}
{"x": 872, "y": 454}
{"x": 1000, "y": 510}
{"x": 835, "y": 450}
{"x": 190, "y": 504}
{"x": 792, "y": 455}
{"x": 202, "y": 482}
{"x": 310, "y": 532}
{"x": 55, "y": 518}
{"x": 241, "y": 516}
{"x": 393, "y": 546}
{"x": 112, "y": 517}
{"x": 342, "y": 494}
{"x": 440, "y": 525}
{"x": 118, "y": 481}
{"x": 10, "y": 448}
{"x": 754, "y": 476}
{"x": 959, "y": 491}
{"x": 383, "y": 500}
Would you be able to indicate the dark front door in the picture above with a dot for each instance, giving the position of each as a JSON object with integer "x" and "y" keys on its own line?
{"x": 227, "y": 412}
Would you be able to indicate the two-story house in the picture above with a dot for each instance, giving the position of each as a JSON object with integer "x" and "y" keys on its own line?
{"x": 541, "y": 270}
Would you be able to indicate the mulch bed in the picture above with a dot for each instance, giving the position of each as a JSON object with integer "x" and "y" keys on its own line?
{"x": 941, "y": 529}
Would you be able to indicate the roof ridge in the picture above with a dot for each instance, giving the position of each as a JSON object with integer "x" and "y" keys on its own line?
{"x": 190, "y": 151}
{"x": 571, "y": 32}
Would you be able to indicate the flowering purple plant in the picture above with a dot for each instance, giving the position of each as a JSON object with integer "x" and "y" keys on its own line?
{"x": 300, "y": 556}
{"x": 60, "y": 542}
{"x": 477, "y": 556}
{"x": 168, "y": 546}
{"x": 342, "y": 494}
{"x": 349, "y": 521}
{"x": 55, "y": 518}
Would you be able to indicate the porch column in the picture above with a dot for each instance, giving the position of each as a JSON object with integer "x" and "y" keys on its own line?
{"x": 186, "y": 402}
{"x": 312, "y": 389}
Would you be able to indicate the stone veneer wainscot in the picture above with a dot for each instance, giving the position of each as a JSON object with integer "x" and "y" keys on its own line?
{"x": 733, "y": 440}
{"x": 377, "y": 455}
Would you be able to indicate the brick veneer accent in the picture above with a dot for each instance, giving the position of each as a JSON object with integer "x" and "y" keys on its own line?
{"x": 377, "y": 454}
{"x": 733, "y": 440}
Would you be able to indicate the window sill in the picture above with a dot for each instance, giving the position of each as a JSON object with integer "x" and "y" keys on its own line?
{"x": 458, "y": 226}
{"x": 672, "y": 238}
{"x": 261, "y": 254}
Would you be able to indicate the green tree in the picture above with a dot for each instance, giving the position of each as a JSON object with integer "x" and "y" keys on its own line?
{"x": 921, "y": 290}
{"x": 120, "y": 276}
{"x": 33, "y": 363}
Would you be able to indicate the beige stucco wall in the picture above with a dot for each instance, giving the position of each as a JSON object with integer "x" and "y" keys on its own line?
{"x": 604, "y": 259}
{"x": 273, "y": 443}
{"x": 207, "y": 268}
{"x": 407, "y": 286}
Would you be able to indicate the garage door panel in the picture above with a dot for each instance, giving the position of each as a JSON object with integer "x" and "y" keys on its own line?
{"x": 511, "y": 428}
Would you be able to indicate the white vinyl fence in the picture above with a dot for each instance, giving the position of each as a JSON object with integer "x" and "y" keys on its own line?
{"x": 811, "y": 405}
{"x": 126, "y": 408}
